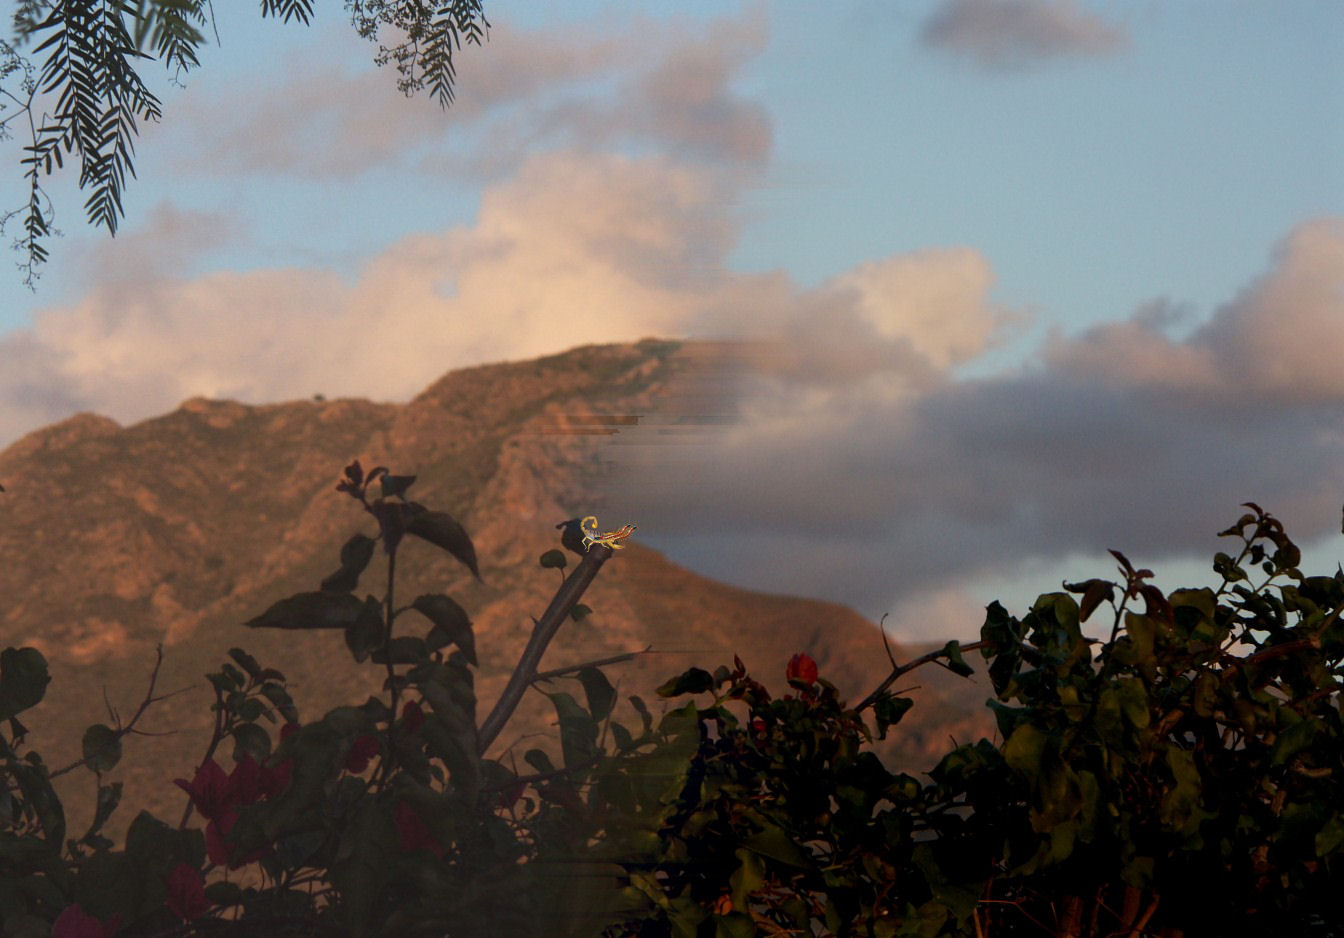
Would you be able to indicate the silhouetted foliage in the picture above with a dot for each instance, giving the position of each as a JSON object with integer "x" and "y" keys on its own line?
{"x": 1181, "y": 777}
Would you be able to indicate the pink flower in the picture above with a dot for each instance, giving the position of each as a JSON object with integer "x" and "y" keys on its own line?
{"x": 801, "y": 668}
{"x": 245, "y": 781}
{"x": 215, "y": 794}
{"x": 412, "y": 834}
{"x": 74, "y": 922}
{"x": 209, "y": 789}
{"x": 186, "y": 892}
{"x": 364, "y": 749}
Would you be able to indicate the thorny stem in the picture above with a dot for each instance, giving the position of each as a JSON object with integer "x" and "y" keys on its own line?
{"x": 542, "y": 633}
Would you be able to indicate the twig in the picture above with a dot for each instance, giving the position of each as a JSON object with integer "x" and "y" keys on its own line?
{"x": 910, "y": 666}
{"x": 601, "y": 662}
{"x": 140, "y": 711}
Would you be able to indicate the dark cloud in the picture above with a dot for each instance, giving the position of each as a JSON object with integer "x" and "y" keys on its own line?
{"x": 1015, "y": 34}
{"x": 882, "y": 489}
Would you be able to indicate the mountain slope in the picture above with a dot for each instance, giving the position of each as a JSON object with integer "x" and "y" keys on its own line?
{"x": 178, "y": 529}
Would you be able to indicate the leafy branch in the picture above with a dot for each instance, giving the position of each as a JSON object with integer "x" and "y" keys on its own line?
{"x": 86, "y": 98}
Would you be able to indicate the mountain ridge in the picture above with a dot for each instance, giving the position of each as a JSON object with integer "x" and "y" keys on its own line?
{"x": 177, "y": 529}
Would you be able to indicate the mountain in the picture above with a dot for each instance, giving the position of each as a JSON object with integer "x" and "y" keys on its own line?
{"x": 177, "y": 530}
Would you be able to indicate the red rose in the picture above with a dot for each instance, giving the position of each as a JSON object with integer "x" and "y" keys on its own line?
{"x": 801, "y": 668}
{"x": 186, "y": 893}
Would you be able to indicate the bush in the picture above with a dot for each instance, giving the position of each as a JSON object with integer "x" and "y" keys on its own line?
{"x": 1180, "y": 777}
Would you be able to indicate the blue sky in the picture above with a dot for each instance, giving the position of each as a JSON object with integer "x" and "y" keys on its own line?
{"x": 1056, "y": 276}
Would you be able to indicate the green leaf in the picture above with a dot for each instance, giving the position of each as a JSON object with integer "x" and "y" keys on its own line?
{"x": 747, "y": 879}
{"x": 601, "y": 695}
{"x": 452, "y": 625}
{"x": 1330, "y": 836}
{"x": 23, "y": 680}
{"x": 553, "y": 559}
{"x": 578, "y": 730}
{"x": 772, "y": 842}
{"x": 1024, "y": 749}
{"x": 355, "y": 556}
{"x": 101, "y": 747}
{"x": 443, "y": 531}
{"x": 318, "y": 610}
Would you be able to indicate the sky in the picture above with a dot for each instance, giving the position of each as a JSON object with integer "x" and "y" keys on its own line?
{"x": 1040, "y": 277}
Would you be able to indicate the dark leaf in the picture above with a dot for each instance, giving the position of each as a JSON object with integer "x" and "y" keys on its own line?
{"x": 101, "y": 747}
{"x": 888, "y": 710}
{"x": 692, "y": 681}
{"x": 442, "y": 531}
{"x": 396, "y": 486}
{"x": 404, "y": 649}
{"x": 365, "y": 634}
{"x": 955, "y": 662}
{"x": 318, "y": 610}
{"x": 601, "y": 695}
{"x": 23, "y": 680}
{"x": 355, "y": 556}
{"x": 578, "y": 730}
{"x": 251, "y": 739}
{"x": 452, "y": 625}
{"x": 246, "y": 662}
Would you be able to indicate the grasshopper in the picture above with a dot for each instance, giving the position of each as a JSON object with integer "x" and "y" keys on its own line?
{"x": 611, "y": 539}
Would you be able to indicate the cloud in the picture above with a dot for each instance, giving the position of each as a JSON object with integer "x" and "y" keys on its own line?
{"x": 573, "y": 249}
{"x": 881, "y": 489}
{"x": 1006, "y": 35}
{"x": 659, "y": 85}
{"x": 861, "y": 468}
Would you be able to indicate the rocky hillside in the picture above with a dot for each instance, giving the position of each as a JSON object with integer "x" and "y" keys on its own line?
{"x": 177, "y": 530}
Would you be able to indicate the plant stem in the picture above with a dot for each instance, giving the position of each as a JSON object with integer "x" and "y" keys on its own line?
{"x": 526, "y": 670}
